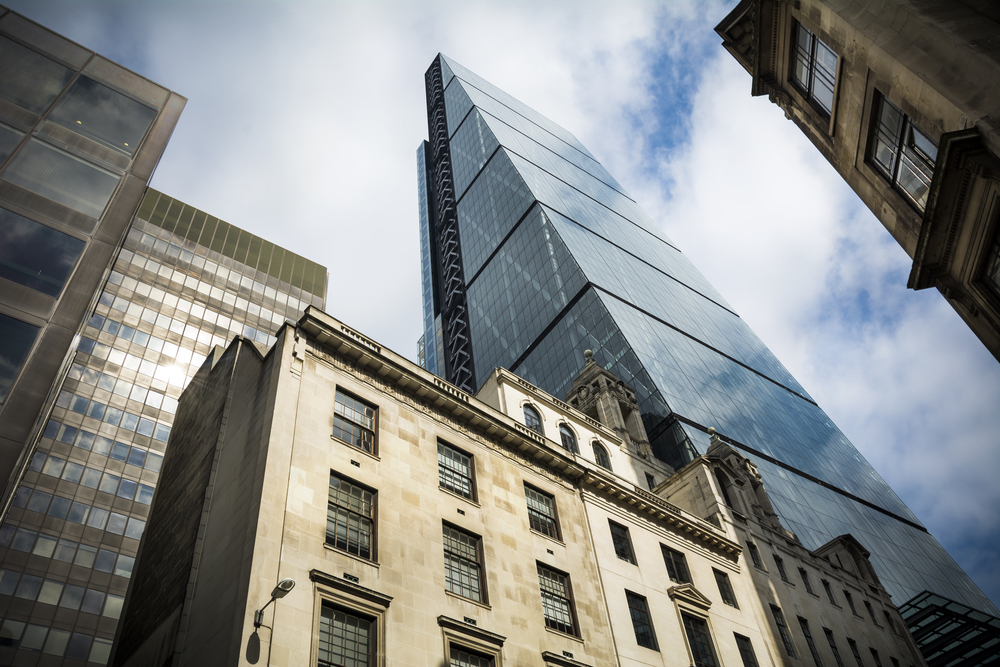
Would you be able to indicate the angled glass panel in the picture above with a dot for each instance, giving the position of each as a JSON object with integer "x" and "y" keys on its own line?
{"x": 16, "y": 338}
{"x": 104, "y": 115}
{"x": 471, "y": 147}
{"x": 525, "y": 285}
{"x": 488, "y": 210}
{"x": 9, "y": 139}
{"x": 456, "y": 106}
{"x": 34, "y": 255}
{"x": 29, "y": 79}
{"x": 64, "y": 178}
{"x": 446, "y": 73}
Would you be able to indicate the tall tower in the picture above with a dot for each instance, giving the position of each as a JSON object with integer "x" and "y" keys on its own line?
{"x": 532, "y": 252}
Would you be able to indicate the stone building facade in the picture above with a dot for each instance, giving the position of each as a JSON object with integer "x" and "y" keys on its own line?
{"x": 903, "y": 98}
{"x": 425, "y": 526}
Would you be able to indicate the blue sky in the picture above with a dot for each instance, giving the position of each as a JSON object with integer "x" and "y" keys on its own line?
{"x": 304, "y": 118}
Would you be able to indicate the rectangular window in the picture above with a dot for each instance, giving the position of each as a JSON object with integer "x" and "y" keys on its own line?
{"x": 463, "y": 564}
{"x": 804, "y": 624}
{"x": 725, "y": 588}
{"x": 781, "y": 567}
{"x": 700, "y": 641}
{"x": 878, "y": 662}
{"x": 16, "y": 339}
{"x": 857, "y": 654}
{"x": 901, "y": 152}
{"x": 650, "y": 481}
{"x": 622, "y": 542}
{"x": 755, "y": 555}
{"x": 542, "y": 512}
{"x": 829, "y": 592}
{"x": 63, "y": 178}
{"x": 354, "y": 422}
{"x": 833, "y": 646}
{"x": 350, "y": 518}
{"x": 814, "y": 68}
{"x": 345, "y": 640}
{"x": 459, "y": 657}
{"x": 642, "y": 622}
{"x": 676, "y": 563}
{"x": 34, "y": 255}
{"x": 103, "y": 115}
{"x": 455, "y": 471}
{"x": 746, "y": 651}
{"x": 557, "y": 600}
{"x": 786, "y": 635}
{"x": 29, "y": 79}
{"x": 805, "y": 580}
{"x": 850, "y": 603}
{"x": 890, "y": 621}
{"x": 871, "y": 614}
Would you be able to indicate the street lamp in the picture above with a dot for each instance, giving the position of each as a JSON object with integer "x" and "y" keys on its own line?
{"x": 280, "y": 591}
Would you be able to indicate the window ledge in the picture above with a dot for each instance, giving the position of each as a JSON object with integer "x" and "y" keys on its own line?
{"x": 560, "y": 633}
{"x": 551, "y": 539}
{"x": 459, "y": 496}
{"x": 469, "y": 600}
{"x": 355, "y": 449}
{"x": 330, "y": 547}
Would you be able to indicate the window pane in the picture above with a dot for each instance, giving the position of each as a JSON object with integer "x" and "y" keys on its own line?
{"x": 106, "y": 116}
{"x": 64, "y": 178}
{"x": 9, "y": 139}
{"x": 16, "y": 338}
{"x": 29, "y": 79}
{"x": 344, "y": 639}
{"x": 34, "y": 255}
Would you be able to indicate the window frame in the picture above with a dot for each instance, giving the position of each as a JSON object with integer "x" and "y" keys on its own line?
{"x": 670, "y": 562}
{"x": 568, "y": 599}
{"x": 373, "y": 430}
{"x": 354, "y": 599}
{"x": 758, "y": 562}
{"x": 725, "y": 586}
{"x": 752, "y": 662}
{"x": 829, "y": 593}
{"x": 535, "y": 422}
{"x": 810, "y": 642}
{"x": 804, "y": 575}
{"x": 471, "y": 639}
{"x": 902, "y": 145}
{"x": 709, "y": 641}
{"x": 601, "y": 455}
{"x": 373, "y": 533}
{"x": 473, "y": 495}
{"x": 783, "y": 631}
{"x": 812, "y": 64}
{"x": 479, "y": 563}
{"x": 833, "y": 647}
{"x": 632, "y": 600}
{"x": 856, "y": 652}
{"x": 567, "y": 434}
{"x": 623, "y": 539}
{"x": 780, "y": 564}
{"x": 554, "y": 519}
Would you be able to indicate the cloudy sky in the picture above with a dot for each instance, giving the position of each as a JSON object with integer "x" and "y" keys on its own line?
{"x": 302, "y": 126}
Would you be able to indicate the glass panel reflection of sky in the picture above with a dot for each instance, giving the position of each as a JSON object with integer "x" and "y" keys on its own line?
{"x": 16, "y": 338}
{"x": 104, "y": 115}
{"x": 34, "y": 255}
{"x": 29, "y": 79}
{"x": 9, "y": 139}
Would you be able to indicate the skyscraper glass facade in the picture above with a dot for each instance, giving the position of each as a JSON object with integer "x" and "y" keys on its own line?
{"x": 542, "y": 254}
{"x": 183, "y": 282}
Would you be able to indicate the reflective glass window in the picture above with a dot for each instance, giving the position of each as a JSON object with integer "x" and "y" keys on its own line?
{"x": 642, "y": 622}
{"x": 29, "y": 79}
{"x": 61, "y": 177}
{"x": 104, "y": 115}
{"x": 902, "y": 152}
{"x": 463, "y": 564}
{"x": 541, "y": 512}
{"x": 9, "y": 139}
{"x": 16, "y": 338}
{"x": 814, "y": 69}
{"x": 455, "y": 470}
{"x": 350, "y": 522}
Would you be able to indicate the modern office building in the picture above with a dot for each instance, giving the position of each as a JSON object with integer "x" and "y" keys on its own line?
{"x": 508, "y": 529}
{"x": 533, "y": 252}
{"x": 182, "y": 282}
{"x": 79, "y": 139}
{"x": 904, "y": 102}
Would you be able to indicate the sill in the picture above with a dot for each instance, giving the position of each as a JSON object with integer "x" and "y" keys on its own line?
{"x": 355, "y": 449}
{"x": 330, "y": 547}
{"x": 760, "y": 569}
{"x": 627, "y": 560}
{"x": 814, "y": 595}
{"x": 560, "y": 633}
{"x": 469, "y": 600}
{"x": 471, "y": 501}
{"x": 730, "y": 604}
{"x": 553, "y": 539}
{"x": 788, "y": 583}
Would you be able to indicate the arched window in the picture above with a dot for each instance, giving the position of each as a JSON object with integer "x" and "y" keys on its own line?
{"x": 532, "y": 420}
{"x": 601, "y": 456}
{"x": 568, "y": 439}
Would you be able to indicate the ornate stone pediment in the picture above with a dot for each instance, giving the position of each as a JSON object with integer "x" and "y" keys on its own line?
{"x": 689, "y": 594}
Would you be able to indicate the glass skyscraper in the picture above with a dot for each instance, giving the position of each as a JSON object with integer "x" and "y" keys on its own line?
{"x": 182, "y": 283}
{"x": 532, "y": 252}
